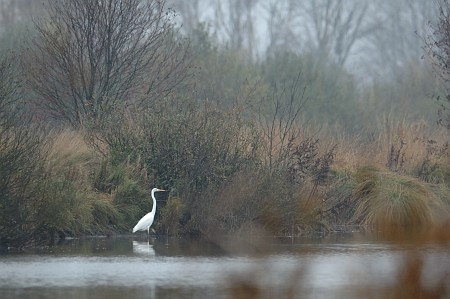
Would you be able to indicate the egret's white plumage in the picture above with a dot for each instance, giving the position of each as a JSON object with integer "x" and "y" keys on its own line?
{"x": 147, "y": 220}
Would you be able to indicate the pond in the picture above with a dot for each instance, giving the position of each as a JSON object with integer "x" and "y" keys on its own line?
{"x": 350, "y": 265}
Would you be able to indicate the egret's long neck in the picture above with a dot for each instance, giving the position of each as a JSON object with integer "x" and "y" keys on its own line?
{"x": 154, "y": 202}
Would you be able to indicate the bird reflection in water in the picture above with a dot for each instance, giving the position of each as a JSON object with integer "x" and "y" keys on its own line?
{"x": 143, "y": 248}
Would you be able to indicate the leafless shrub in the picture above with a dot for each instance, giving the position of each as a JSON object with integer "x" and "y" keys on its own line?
{"x": 20, "y": 163}
{"x": 279, "y": 124}
{"x": 89, "y": 57}
{"x": 306, "y": 164}
{"x": 437, "y": 45}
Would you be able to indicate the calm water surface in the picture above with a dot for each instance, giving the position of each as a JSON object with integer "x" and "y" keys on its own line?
{"x": 337, "y": 266}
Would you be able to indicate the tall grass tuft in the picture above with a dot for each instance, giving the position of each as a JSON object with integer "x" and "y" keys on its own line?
{"x": 394, "y": 201}
{"x": 81, "y": 192}
{"x": 70, "y": 166}
{"x": 171, "y": 216}
{"x": 132, "y": 202}
{"x": 64, "y": 209}
{"x": 105, "y": 215}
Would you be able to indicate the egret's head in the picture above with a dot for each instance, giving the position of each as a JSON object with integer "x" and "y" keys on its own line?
{"x": 157, "y": 190}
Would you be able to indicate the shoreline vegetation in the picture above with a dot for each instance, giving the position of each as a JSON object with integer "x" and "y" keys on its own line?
{"x": 75, "y": 191}
{"x": 288, "y": 145}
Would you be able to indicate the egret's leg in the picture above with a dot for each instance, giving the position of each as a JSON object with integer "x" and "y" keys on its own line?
{"x": 148, "y": 230}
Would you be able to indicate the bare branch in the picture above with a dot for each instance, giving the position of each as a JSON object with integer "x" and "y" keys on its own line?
{"x": 91, "y": 55}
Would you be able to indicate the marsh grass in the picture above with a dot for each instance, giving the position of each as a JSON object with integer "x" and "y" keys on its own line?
{"x": 171, "y": 216}
{"x": 267, "y": 204}
{"x": 385, "y": 199}
{"x": 64, "y": 208}
{"x": 216, "y": 164}
{"x": 373, "y": 196}
{"x": 66, "y": 192}
{"x": 413, "y": 148}
{"x": 70, "y": 156}
{"x": 105, "y": 214}
{"x": 410, "y": 147}
{"x": 90, "y": 192}
{"x": 84, "y": 193}
{"x": 132, "y": 202}
{"x": 396, "y": 175}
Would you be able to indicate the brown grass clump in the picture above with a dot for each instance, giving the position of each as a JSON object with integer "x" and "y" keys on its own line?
{"x": 70, "y": 156}
{"x": 392, "y": 200}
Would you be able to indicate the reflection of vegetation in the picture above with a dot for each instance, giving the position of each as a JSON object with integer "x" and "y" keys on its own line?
{"x": 410, "y": 280}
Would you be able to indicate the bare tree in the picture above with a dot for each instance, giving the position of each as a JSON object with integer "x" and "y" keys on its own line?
{"x": 330, "y": 29}
{"x": 334, "y": 26}
{"x": 235, "y": 20}
{"x": 20, "y": 161}
{"x": 281, "y": 26}
{"x": 399, "y": 38}
{"x": 191, "y": 13}
{"x": 232, "y": 21}
{"x": 280, "y": 124}
{"x": 438, "y": 48}
{"x": 9, "y": 92}
{"x": 91, "y": 55}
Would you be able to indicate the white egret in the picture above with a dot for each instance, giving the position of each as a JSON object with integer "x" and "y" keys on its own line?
{"x": 147, "y": 220}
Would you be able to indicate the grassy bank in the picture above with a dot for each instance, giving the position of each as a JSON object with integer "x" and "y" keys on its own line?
{"x": 219, "y": 181}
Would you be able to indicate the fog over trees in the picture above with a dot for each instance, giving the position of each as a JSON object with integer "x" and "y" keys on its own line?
{"x": 358, "y": 60}
{"x": 374, "y": 38}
